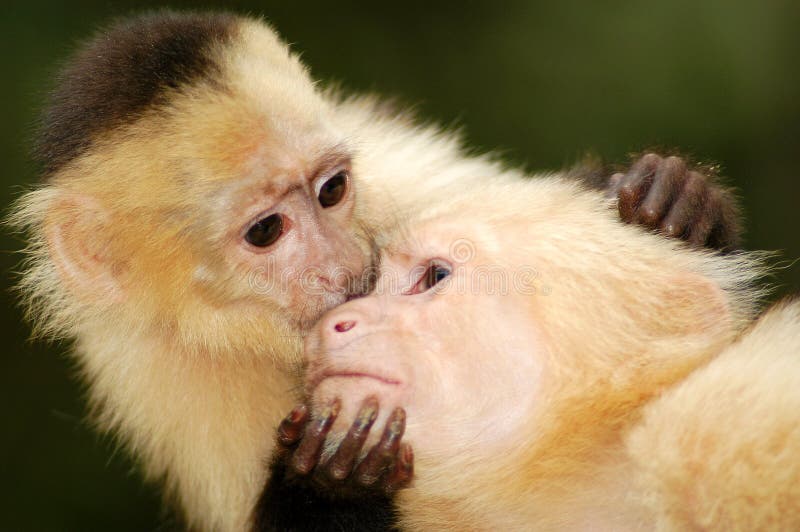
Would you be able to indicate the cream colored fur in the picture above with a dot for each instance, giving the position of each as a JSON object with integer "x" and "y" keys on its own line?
{"x": 194, "y": 387}
{"x": 660, "y": 408}
{"x": 189, "y": 384}
{"x": 721, "y": 451}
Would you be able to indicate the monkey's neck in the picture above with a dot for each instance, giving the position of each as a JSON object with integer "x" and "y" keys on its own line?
{"x": 205, "y": 423}
{"x": 604, "y": 499}
{"x": 598, "y": 494}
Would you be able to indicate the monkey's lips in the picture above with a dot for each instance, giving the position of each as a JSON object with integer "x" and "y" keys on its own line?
{"x": 348, "y": 360}
{"x": 322, "y": 376}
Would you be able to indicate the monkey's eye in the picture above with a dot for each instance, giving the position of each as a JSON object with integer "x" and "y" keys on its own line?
{"x": 332, "y": 191}
{"x": 266, "y": 231}
{"x": 433, "y": 275}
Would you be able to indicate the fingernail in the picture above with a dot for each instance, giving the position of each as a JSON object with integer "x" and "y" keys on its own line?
{"x": 338, "y": 473}
{"x": 366, "y": 418}
{"x": 395, "y": 430}
{"x": 371, "y": 401}
{"x": 329, "y": 412}
{"x": 367, "y": 480}
{"x": 300, "y": 465}
{"x": 367, "y": 415}
{"x": 397, "y": 423}
{"x": 297, "y": 413}
{"x": 408, "y": 457}
{"x": 399, "y": 415}
{"x": 408, "y": 454}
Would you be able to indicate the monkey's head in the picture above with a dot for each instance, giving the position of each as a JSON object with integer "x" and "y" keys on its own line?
{"x": 194, "y": 185}
{"x": 524, "y": 318}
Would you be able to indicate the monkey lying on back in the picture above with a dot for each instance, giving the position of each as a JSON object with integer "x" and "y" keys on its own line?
{"x": 204, "y": 203}
{"x": 563, "y": 371}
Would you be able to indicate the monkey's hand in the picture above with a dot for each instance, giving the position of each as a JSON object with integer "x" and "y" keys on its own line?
{"x": 304, "y": 493}
{"x": 666, "y": 195}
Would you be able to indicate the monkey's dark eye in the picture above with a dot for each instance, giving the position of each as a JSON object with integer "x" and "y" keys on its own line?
{"x": 266, "y": 231}
{"x": 433, "y": 275}
{"x": 332, "y": 190}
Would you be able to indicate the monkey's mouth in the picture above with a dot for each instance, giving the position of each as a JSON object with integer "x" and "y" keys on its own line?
{"x": 316, "y": 380}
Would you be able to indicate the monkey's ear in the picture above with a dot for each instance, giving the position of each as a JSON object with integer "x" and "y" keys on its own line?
{"x": 76, "y": 232}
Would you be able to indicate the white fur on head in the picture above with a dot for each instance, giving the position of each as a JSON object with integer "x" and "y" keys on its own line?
{"x": 624, "y": 314}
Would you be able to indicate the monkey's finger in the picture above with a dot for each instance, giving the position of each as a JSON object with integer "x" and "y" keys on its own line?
{"x": 382, "y": 456}
{"x": 727, "y": 230}
{"x": 400, "y": 477}
{"x": 687, "y": 206}
{"x": 635, "y": 184}
{"x": 306, "y": 456}
{"x": 614, "y": 183}
{"x": 668, "y": 180}
{"x": 291, "y": 428}
{"x": 702, "y": 227}
{"x": 341, "y": 464}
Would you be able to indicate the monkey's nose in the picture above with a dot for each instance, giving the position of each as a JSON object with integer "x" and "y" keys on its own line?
{"x": 344, "y": 326}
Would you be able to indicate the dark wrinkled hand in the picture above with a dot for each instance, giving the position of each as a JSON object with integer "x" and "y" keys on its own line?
{"x": 666, "y": 195}
{"x": 387, "y": 467}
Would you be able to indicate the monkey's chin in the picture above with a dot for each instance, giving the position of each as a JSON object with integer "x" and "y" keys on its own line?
{"x": 352, "y": 390}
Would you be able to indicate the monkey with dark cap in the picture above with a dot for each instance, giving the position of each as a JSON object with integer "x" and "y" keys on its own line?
{"x": 203, "y": 202}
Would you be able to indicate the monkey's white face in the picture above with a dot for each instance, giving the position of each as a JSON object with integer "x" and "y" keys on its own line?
{"x": 436, "y": 338}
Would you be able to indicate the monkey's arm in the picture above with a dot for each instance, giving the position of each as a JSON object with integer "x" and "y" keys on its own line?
{"x": 667, "y": 195}
{"x": 303, "y": 494}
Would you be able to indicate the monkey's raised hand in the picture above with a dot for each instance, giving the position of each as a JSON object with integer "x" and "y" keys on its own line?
{"x": 340, "y": 494}
{"x": 667, "y": 195}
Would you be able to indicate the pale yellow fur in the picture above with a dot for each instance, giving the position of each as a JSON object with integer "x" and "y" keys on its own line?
{"x": 660, "y": 409}
{"x": 195, "y": 390}
{"x": 189, "y": 385}
{"x": 721, "y": 451}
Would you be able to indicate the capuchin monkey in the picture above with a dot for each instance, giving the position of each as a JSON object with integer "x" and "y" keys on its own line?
{"x": 203, "y": 202}
{"x": 559, "y": 370}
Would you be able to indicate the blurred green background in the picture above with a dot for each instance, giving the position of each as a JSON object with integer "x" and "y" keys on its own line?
{"x": 543, "y": 81}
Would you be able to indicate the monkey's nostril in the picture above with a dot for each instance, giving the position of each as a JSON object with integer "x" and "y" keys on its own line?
{"x": 344, "y": 326}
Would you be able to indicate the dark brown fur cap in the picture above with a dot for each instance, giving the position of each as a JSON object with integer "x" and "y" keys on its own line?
{"x": 121, "y": 72}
